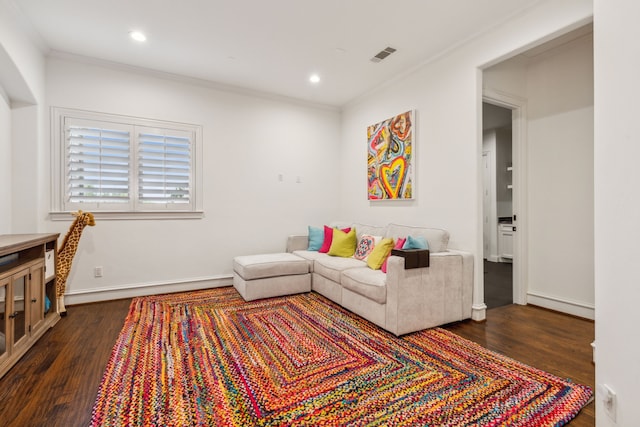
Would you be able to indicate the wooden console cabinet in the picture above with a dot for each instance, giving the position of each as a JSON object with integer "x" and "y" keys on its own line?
{"x": 28, "y": 304}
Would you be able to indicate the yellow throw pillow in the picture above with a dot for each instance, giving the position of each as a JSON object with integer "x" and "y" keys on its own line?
{"x": 379, "y": 254}
{"x": 343, "y": 244}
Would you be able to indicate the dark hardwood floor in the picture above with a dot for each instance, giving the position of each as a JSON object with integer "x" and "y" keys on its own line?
{"x": 498, "y": 283}
{"x": 554, "y": 342}
{"x": 56, "y": 382}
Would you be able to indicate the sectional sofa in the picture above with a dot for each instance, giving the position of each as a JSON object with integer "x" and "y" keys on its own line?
{"x": 400, "y": 300}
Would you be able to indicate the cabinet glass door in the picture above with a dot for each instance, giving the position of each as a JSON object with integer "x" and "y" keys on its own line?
{"x": 19, "y": 305}
{"x": 3, "y": 316}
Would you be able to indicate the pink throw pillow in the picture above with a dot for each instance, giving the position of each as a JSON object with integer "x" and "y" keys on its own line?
{"x": 398, "y": 245}
{"x": 328, "y": 238}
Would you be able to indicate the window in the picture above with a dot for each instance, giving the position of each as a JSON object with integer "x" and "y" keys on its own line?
{"x": 125, "y": 165}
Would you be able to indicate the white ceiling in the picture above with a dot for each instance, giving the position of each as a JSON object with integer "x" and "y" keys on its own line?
{"x": 269, "y": 46}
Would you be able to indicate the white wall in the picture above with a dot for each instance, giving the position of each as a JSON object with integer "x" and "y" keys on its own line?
{"x": 22, "y": 63}
{"x": 446, "y": 94}
{"x": 248, "y": 141}
{"x": 30, "y": 167}
{"x": 617, "y": 206}
{"x": 20, "y": 49}
{"x": 5, "y": 166}
{"x": 560, "y": 178}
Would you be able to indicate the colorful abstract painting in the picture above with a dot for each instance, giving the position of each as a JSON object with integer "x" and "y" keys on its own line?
{"x": 390, "y": 158}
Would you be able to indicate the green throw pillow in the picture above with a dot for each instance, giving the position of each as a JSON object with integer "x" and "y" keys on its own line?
{"x": 343, "y": 244}
{"x": 379, "y": 254}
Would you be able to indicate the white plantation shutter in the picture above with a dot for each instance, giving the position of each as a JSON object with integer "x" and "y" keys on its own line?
{"x": 97, "y": 162}
{"x": 164, "y": 167}
{"x": 126, "y": 166}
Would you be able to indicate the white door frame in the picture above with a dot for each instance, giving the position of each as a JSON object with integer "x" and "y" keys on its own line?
{"x": 518, "y": 106}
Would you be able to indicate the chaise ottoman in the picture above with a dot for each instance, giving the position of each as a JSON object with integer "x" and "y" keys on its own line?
{"x": 270, "y": 275}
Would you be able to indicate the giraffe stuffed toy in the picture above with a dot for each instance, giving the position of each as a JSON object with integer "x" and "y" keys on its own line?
{"x": 67, "y": 251}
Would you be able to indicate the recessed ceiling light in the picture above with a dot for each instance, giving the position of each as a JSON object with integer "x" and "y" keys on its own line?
{"x": 137, "y": 36}
{"x": 314, "y": 78}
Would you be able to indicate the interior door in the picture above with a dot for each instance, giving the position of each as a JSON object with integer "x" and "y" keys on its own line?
{"x": 519, "y": 187}
{"x": 486, "y": 204}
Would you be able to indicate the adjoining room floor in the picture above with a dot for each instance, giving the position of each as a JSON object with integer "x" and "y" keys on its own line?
{"x": 498, "y": 283}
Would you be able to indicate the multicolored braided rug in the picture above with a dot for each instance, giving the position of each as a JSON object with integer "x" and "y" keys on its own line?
{"x": 210, "y": 359}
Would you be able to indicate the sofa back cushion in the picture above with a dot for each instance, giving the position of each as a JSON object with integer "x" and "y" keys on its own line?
{"x": 437, "y": 238}
{"x": 372, "y": 230}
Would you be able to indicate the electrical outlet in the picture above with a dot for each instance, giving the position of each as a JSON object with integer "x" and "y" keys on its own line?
{"x": 97, "y": 272}
{"x": 609, "y": 400}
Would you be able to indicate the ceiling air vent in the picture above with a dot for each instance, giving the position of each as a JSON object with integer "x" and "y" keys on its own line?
{"x": 383, "y": 54}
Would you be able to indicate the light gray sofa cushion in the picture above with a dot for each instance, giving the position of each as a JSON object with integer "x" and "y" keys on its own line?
{"x": 269, "y": 265}
{"x": 310, "y": 256}
{"x": 332, "y": 267}
{"x": 272, "y": 286}
{"x": 438, "y": 239}
{"x": 327, "y": 288}
{"x": 366, "y": 282}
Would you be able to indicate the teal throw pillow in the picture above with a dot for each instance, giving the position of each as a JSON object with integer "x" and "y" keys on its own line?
{"x": 316, "y": 237}
{"x": 418, "y": 242}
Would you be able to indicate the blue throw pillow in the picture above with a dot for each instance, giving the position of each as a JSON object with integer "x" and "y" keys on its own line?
{"x": 316, "y": 238}
{"x": 418, "y": 242}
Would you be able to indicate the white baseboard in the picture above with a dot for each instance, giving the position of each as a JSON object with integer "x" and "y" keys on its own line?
{"x": 574, "y": 308}
{"x": 144, "y": 289}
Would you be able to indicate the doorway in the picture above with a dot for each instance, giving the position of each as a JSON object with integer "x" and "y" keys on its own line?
{"x": 549, "y": 90}
{"x": 498, "y": 224}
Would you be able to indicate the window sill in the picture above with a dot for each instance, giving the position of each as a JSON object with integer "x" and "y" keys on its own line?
{"x": 66, "y": 216}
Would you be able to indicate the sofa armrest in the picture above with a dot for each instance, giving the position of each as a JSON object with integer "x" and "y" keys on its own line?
{"x": 467, "y": 279}
{"x": 297, "y": 243}
{"x": 431, "y": 296}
